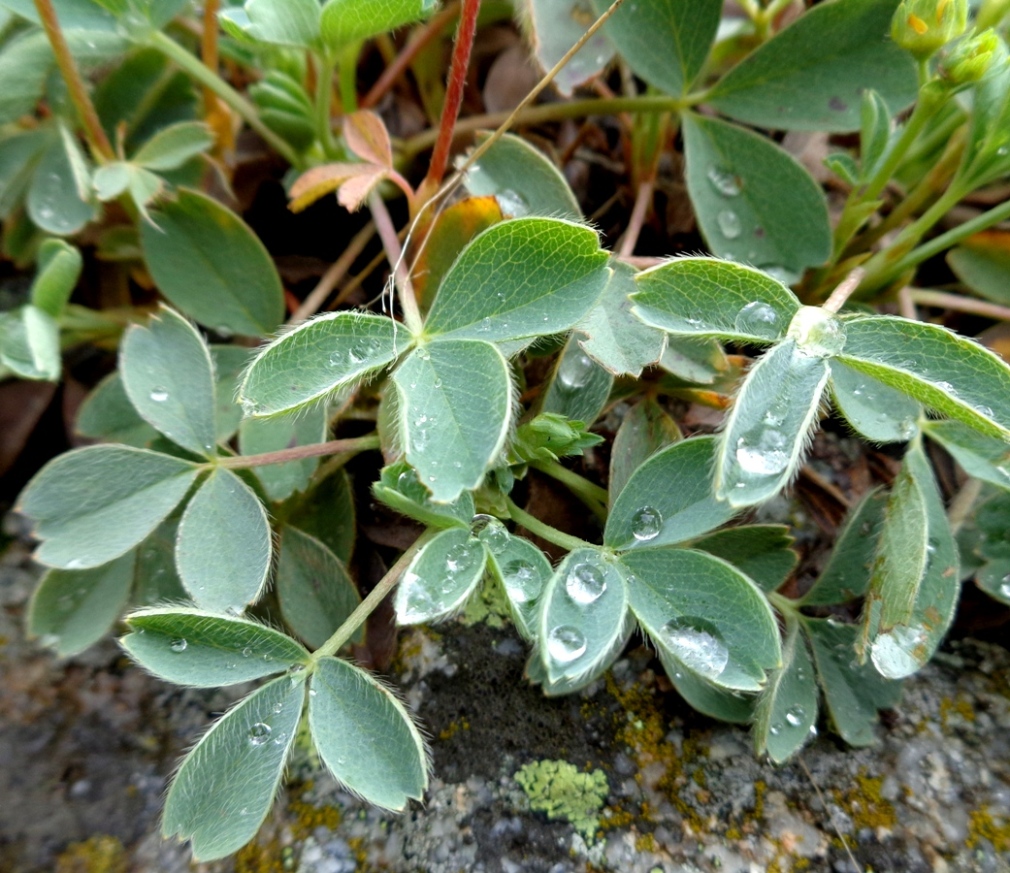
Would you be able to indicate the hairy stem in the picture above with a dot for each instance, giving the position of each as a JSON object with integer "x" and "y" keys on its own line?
{"x": 372, "y": 601}
{"x": 591, "y": 494}
{"x": 453, "y": 95}
{"x": 959, "y": 303}
{"x": 538, "y": 528}
{"x": 394, "y": 254}
{"x": 209, "y": 79}
{"x": 101, "y": 148}
{"x": 298, "y": 453}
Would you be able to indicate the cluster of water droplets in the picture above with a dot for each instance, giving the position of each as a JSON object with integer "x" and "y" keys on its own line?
{"x": 794, "y": 718}
{"x": 421, "y": 430}
{"x": 817, "y": 332}
{"x": 359, "y": 353}
{"x": 522, "y": 581}
{"x": 697, "y": 645}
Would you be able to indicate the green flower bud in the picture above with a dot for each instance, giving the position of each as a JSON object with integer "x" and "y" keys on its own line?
{"x": 922, "y": 27}
{"x": 970, "y": 59}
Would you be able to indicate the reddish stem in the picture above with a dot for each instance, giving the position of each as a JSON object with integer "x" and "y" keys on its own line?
{"x": 454, "y": 94}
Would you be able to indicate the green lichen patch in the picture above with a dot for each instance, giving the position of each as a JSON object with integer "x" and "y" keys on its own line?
{"x": 561, "y": 791}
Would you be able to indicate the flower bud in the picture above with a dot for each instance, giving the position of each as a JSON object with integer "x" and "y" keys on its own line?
{"x": 924, "y": 26}
{"x": 970, "y": 59}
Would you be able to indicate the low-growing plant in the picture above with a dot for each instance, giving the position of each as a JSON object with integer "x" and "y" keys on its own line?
{"x": 205, "y": 512}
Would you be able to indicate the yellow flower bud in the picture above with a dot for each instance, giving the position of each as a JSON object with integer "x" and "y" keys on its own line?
{"x": 922, "y": 27}
{"x": 970, "y": 59}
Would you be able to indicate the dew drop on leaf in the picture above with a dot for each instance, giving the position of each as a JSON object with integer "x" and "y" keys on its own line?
{"x": 575, "y": 371}
{"x": 566, "y": 643}
{"x": 1004, "y": 587}
{"x": 763, "y": 453}
{"x": 725, "y": 182}
{"x": 512, "y": 203}
{"x": 817, "y": 332}
{"x": 461, "y": 557}
{"x": 729, "y": 223}
{"x": 259, "y": 733}
{"x": 586, "y": 583}
{"x": 246, "y": 652}
{"x": 758, "y": 319}
{"x": 646, "y": 523}
{"x": 159, "y": 395}
{"x": 697, "y": 646}
{"x": 521, "y": 583}
{"x": 894, "y": 653}
{"x": 494, "y": 536}
{"x": 795, "y": 715}
{"x": 178, "y": 645}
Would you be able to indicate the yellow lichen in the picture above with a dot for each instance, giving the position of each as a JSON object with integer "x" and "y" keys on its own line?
{"x": 983, "y": 825}
{"x": 257, "y": 857}
{"x": 99, "y": 854}
{"x": 865, "y": 804}
{"x": 306, "y": 817}
{"x": 961, "y": 706}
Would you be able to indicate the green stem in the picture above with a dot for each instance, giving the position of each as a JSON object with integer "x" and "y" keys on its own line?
{"x": 299, "y": 453}
{"x": 193, "y": 67}
{"x": 324, "y": 96}
{"x": 783, "y": 604}
{"x": 348, "y": 67}
{"x": 538, "y": 528}
{"x": 591, "y": 494}
{"x": 372, "y": 601}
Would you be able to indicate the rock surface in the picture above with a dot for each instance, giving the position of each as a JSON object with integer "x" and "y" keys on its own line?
{"x": 86, "y": 747}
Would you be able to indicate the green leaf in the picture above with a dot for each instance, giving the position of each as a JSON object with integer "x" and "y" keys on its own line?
{"x": 73, "y": 609}
{"x": 853, "y": 692}
{"x": 223, "y": 551}
{"x": 579, "y": 387}
{"x": 229, "y": 364}
{"x": 986, "y": 153}
{"x": 72, "y": 14}
{"x": 900, "y": 558}
{"x": 982, "y": 262}
{"x": 668, "y": 499}
{"x": 193, "y": 647}
{"x": 278, "y": 22}
{"x": 522, "y": 178}
{"x": 329, "y": 515}
{"x": 211, "y": 265}
{"x": 875, "y": 127}
{"x": 981, "y": 456}
{"x": 645, "y": 429}
{"x": 846, "y": 576}
{"x": 665, "y": 42}
{"x": 523, "y": 571}
{"x": 30, "y": 344}
{"x": 583, "y": 616}
{"x": 765, "y": 435}
{"x": 157, "y": 579}
{"x": 947, "y": 372}
{"x": 874, "y": 410}
{"x": 754, "y": 202}
{"x": 706, "y": 297}
{"x": 786, "y": 712}
{"x": 556, "y": 27}
{"x": 365, "y": 736}
{"x": 111, "y": 180}
{"x": 520, "y": 279}
{"x": 708, "y": 699}
{"x": 107, "y": 414}
{"x": 24, "y": 65}
{"x": 54, "y": 201}
{"x": 906, "y": 647}
{"x": 705, "y": 615}
{"x": 614, "y": 337}
{"x": 994, "y": 579}
{"x": 760, "y": 551}
{"x": 258, "y": 436}
{"x": 443, "y": 574}
{"x": 172, "y": 146}
{"x": 226, "y": 785}
{"x": 316, "y": 593}
{"x": 347, "y": 21}
{"x": 399, "y": 488}
{"x": 19, "y": 154}
{"x": 695, "y": 361}
{"x": 58, "y": 269}
{"x": 811, "y": 76}
{"x": 91, "y": 505}
{"x": 319, "y": 356}
{"x": 168, "y": 375}
{"x": 455, "y": 408}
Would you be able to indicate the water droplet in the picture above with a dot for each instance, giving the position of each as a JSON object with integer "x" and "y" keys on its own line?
{"x": 246, "y": 652}
{"x": 574, "y": 371}
{"x": 312, "y": 692}
{"x": 779, "y": 273}
{"x": 75, "y": 564}
{"x": 178, "y": 645}
{"x": 725, "y": 182}
{"x": 461, "y": 557}
{"x": 259, "y": 733}
{"x": 362, "y": 351}
{"x": 646, "y": 523}
{"x": 249, "y": 407}
{"x": 278, "y": 708}
{"x": 494, "y": 536}
{"x": 986, "y": 411}
{"x": 697, "y": 646}
{"x": 775, "y": 729}
{"x": 758, "y": 319}
{"x": 946, "y": 388}
{"x": 817, "y": 332}
{"x": 899, "y": 652}
{"x": 485, "y": 324}
{"x": 763, "y": 453}
{"x": 586, "y": 582}
{"x": 566, "y": 643}
{"x": 521, "y": 581}
{"x": 159, "y": 395}
{"x": 513, "y": 203}
{"x": 795, "y": 715}
{"x": 729, "y": 223}
{"x": 1004, "y": 587}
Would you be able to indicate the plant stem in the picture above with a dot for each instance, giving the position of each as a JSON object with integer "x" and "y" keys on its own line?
{"x": 208, "y": 78}
{"x": 101, "y": 148}
{"x": 324, "y": 97}
{"x": 337, "y": 270}
{"x": 453, "y": 95}
{"x": 850, "y": 283}
{"x": 538, "y": 528}
{"x": 959, "y": 303}
{"x": 589, "y": 493}
{"x": 783, "y": 604}
{"x": 298, "y": 453}
{"x": 963, "y": 503}
{"x": 394, "y": 254}
{"x": 367, "y": 606}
